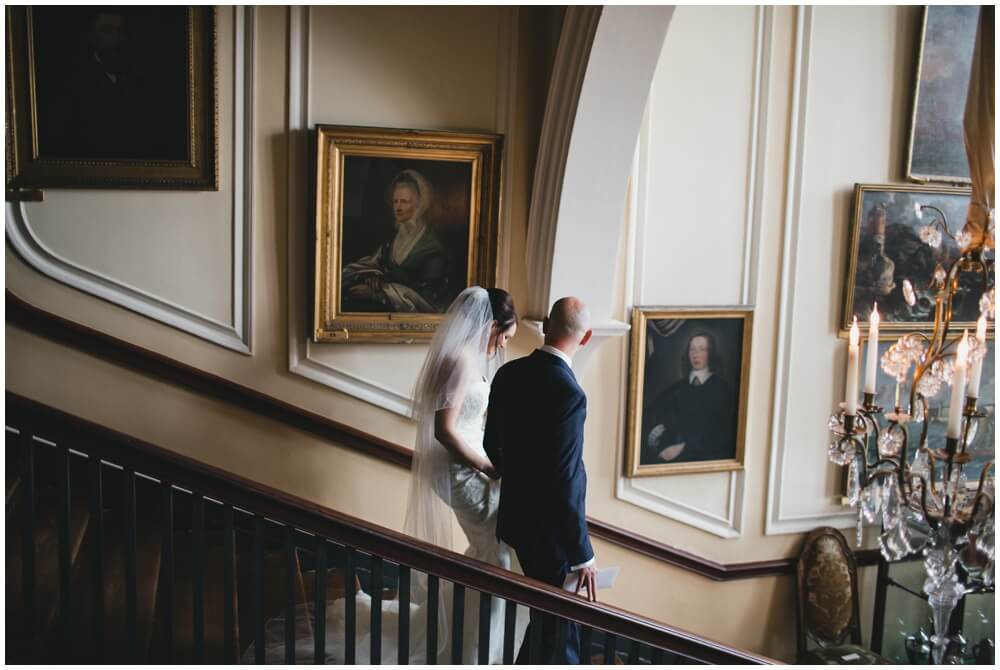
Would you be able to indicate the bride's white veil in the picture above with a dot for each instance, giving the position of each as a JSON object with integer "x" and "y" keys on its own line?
{"x": 457, "y": 355}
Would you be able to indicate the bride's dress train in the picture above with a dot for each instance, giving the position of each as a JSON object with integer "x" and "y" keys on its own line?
{"x": 474, "y": 498}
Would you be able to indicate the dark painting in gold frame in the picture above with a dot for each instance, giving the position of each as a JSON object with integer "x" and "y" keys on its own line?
{"x": 885, "y": 248}
{"x": 404, "y": 221}
{"x": 689, "y": 376}
{"x": 111, "y": 97}
{"x": 936, "y": 150}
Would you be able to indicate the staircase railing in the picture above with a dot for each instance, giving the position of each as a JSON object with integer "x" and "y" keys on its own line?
{"x": 140, "y": 486}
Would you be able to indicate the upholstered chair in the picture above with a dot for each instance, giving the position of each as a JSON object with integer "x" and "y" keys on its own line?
{"x": 828, "y": 611}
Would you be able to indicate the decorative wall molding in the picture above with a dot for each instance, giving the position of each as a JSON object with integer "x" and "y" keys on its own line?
{"x": 235, "y": 335}
{"x": 505, "y": 123}
{"x": 633, "y": 490}
{"x": 775, "y": 521}
{"x": 301, "y": 360}
{"x": 568, "y": 70}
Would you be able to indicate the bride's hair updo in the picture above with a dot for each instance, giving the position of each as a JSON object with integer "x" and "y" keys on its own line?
{"x": 502, "y": 305}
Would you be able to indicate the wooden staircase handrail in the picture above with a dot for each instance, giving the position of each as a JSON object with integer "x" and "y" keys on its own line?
{"x": 108, "y": 347}
{"x": 124, "y": 450}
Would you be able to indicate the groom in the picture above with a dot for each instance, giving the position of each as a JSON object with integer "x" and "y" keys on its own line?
{"x": 534, "y": 437}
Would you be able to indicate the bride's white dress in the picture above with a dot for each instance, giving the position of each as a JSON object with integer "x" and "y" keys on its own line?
{"x": 474, "y": 499}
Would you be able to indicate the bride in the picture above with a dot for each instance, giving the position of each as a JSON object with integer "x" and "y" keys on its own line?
{"x": 452, "y": 479}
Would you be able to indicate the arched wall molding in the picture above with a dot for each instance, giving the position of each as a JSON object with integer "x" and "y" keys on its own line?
{"x": 731, "y": 485}
{"x": 235, "y": 335}
{"x": 591, "y": 211}
{"x": 572, "y": 55}
{"x": 301, "y": 350}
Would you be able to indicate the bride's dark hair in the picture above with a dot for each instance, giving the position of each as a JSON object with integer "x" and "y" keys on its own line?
{"x": 502, "y": 305}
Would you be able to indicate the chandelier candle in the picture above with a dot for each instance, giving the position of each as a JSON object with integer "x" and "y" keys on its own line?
{"x": 852, "y": 371}
{"x": 958, "y": 389}
{"x": 977, "y": 365}
{"x": 871, "y": 363}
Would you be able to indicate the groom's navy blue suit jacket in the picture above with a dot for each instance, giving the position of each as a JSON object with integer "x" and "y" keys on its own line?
{"x": 534, "y": 437}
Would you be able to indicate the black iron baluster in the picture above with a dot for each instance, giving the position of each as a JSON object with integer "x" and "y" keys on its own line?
{"x": 509, "y": 631}
{"x": 586, "y": 644}
{"x": 457, "y": 622}
{"x": 484, "y": 627}
{"x": 258, "y": 588}
{"x": 167, "y": 571}
{"x": 657, "y": 658}
{"x": 319, "y": 604}
{"x": 228, "y": 584}
{"x": 404, "y": 615}
{"x": 432, "y": 619}
{"x": 289, "y": 595}
{"x": 376, "y": 623}
{"x": 350, "y": 607}
{"x": 610, "y": 642}
{"x": 28, "y": 537}
{"x": 131, "y": 595}
{"x": 633, "y": 653}
{"x": 97, "y": 547}
{"x": 535, "y": 637}
{"x": 65, "y": 562}
{"x": 562, "y": 630}
{"x": 198, "y": 576}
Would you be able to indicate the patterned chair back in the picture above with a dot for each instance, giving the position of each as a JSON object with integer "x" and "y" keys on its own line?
{"x": 827, "y": 582}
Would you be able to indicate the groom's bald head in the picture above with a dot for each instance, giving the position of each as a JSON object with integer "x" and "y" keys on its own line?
{"x": 568, "y": 325}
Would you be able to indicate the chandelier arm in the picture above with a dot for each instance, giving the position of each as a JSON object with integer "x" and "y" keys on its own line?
{"x": 923, "y": 503}
{"x": 925, "y": 424}
{"x": 883, "y": 473}
{"x": 932, "y": 462}
{"x": 980, "y": 493}
{"x": 860, "y": 449}
{"x": 904, "y": 488}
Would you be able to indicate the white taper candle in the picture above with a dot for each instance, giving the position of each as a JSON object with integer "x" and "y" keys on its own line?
{"x": 977, "y": 367}
{"x": 852, "y": 370}
{"x": 871, "y": 363}
{"x": 958, "y": 388}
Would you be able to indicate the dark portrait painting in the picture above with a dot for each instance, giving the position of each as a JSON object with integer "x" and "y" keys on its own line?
{"x": 120, "y": 95}
{"x": 405, "y": 234}
{"x": 405, "y": 220}
{"x": 689, "y": 406}
{"x": 896, "y": 235}
{"x": 937, "y": 144}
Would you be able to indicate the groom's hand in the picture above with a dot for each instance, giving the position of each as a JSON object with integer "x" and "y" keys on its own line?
{"x": 588, "y": 580}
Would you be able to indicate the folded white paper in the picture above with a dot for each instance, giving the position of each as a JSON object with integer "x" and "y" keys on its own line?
{"x": 605, "y": 578}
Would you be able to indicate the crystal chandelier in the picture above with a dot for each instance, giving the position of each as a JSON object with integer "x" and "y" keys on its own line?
{"x": 919, "y": 491}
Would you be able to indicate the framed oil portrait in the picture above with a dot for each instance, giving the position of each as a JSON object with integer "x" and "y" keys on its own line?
{"x": 111, "y": 97}
{"x": 405, "y": 220}
{"x": 887, "y": 246}
{"x": 689, "y": 376}
{"x": 944, "y": 66}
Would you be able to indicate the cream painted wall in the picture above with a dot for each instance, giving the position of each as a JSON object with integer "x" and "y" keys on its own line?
{"x": 754, "y": 614}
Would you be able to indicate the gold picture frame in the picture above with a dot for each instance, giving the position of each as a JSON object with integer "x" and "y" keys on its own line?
{"x": 935, "y": 148}
{"x": 404, "y": 220}
{"x": 875, "y": 269}
{"x": 143, "y": 117}
{"x": 671, "y": 348}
